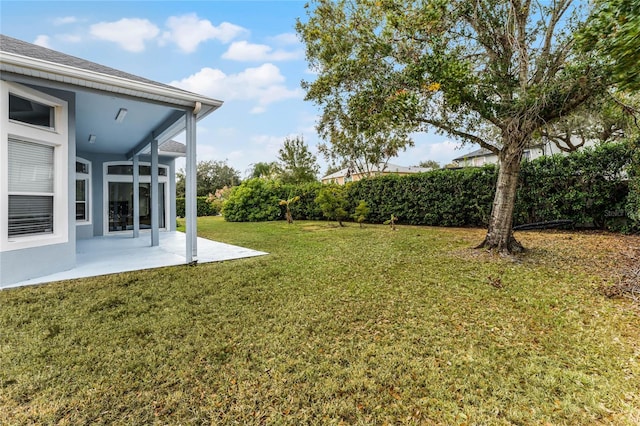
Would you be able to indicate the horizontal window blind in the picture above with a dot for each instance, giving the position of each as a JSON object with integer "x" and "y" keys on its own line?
{"x": 30, "y": 167}
{"x": 30, "y": 214}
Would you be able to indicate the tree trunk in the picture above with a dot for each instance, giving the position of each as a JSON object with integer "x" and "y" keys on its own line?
{"x": 500, "y": 233}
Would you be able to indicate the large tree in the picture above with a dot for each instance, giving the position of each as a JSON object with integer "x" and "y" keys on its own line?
{"x": 363, "y": 150}
{"x": 297, "y": 163}
{"x": 265, "y": 170}
{"x": 210, "y": 176}
{"x": 489, "y": 72}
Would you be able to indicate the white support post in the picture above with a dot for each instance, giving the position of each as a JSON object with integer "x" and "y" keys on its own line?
{"x": 136, "y": 196}
{"x": 154, "y": 205}
{"x": 191, "y": 190}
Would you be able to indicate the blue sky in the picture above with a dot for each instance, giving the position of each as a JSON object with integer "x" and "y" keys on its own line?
{"x": 245, "y": 53}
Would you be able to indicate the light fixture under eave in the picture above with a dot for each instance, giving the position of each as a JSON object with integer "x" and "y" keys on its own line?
{"x": 92, "y": 138}
{"x": 122, "y": 113}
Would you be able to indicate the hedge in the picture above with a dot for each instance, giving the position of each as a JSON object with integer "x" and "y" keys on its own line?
{"x": 204, "y": 207}
{"x": 590, "y": 188}
{"x": 632, "y": 209}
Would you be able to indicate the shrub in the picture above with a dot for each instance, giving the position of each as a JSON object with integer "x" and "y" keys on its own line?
{"x": 333, "y": 203}
{"x": 438, "y": 198}
{"x": 306, "y": 208}
{"x": 632, "y": 207}
{"x": 203, "y": 207}
{"x": 254, "y": 200}
{"x": 362, "y": 210}
{"x": 588, "y": 187}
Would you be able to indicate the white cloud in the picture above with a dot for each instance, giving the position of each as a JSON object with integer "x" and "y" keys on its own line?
{"x": 286, "y": 38}
{"x": 263, "y": 84}
{"x": 43, "y": 40}
{"x": 188, "y": 31}
{"x": 70, "y": 38}
{"x": 442, "y": 151}
{"x": 130, "y": 34}
{"x": 245, "y": 51}
{"x": 267, "y": 140}
{"x": 65, "y": 20}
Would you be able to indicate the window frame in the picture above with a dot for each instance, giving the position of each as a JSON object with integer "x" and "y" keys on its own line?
{"x": 86, "y": 177}
{"x": 126, "y": 178}
{"x": 56, "y": 137}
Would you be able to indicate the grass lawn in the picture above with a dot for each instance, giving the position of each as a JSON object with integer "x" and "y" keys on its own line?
{"x": 335, "y": 326}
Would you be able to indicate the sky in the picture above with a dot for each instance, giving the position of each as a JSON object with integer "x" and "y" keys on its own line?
{"x": 245, "y": 53}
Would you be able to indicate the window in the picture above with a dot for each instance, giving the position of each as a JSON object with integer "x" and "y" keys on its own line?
{"x": 31, "y": 112}
{"x": 127, "y": 170}
{"x": 83, "y": 188}
{"x": 34, "y": 203}
{"x": 119, "y": 199}
{"x": 30, "y": 188}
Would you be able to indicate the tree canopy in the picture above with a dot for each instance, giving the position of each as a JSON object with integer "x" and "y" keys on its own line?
{"x": 210, "y": 176}
{"x": 613, "y": 30}
{"x": 297, "y": 163}
{"x": 607, "y": 118}
{"x": 265, "y": 170}
{"x": 488, "y": 72}
{"x": 429, "y": 164}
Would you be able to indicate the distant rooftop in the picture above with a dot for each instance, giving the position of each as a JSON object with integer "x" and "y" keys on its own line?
{"x": 391, "y": 168}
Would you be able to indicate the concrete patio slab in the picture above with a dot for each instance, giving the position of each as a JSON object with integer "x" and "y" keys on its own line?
{"x": 118, "y": 253}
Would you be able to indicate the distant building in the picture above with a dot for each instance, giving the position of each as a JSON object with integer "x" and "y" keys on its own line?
{"x": 350, "y": 175}
{"x": 483, "y": 156}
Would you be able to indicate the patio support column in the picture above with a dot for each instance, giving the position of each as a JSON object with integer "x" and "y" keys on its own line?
{"x": 154, "y": 205}
{"x": 136, "y": 196}
{"x": 191, "y": 190}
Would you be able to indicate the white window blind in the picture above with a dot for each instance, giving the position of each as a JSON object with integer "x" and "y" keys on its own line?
{"x": 31, "y": 167}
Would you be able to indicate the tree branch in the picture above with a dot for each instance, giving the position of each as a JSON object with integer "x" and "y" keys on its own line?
{"x": 464, "y": 135}
{"x": 545, "y": 55}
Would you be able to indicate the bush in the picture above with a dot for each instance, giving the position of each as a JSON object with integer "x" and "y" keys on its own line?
{"x": 204, "y": 207}
{"x": 333, "y": 203}
{"x": 306, "y": 208}
{"x": 438, "y": 198}
{"x": 588, "y": 187}
{"x": 632, "y": 208}
{"x": 254, "y": 200}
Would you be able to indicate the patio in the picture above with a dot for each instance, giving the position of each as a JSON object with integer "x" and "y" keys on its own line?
{"x": 114, "y": 254}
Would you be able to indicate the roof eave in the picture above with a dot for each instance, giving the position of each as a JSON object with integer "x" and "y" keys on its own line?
{"x": 25, "y": 65}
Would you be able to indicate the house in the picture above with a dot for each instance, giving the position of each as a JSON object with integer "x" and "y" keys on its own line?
{"x": 351, "y": 175}
{"x": 483, "y": 156}
{"x": 86, "y": 152}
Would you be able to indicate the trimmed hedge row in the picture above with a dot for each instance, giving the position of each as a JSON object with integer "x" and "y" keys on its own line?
{"x": 438, "y": 198}
{"x": 204, "y": 207}
{"x": 590, "y": 188}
